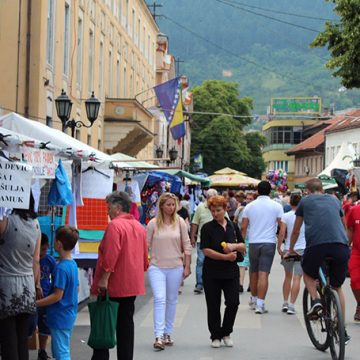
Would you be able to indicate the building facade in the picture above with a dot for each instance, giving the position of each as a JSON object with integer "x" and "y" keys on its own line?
{"x": 288, "y": 119}
{"x": 82, "y": 46}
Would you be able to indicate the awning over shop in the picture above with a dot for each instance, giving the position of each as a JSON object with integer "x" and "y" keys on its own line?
{"x": 128, "y": 126}
{"x": 202, "y": 180}
{"x": 342, "y": 160}
{"x": 43, "y": 133}
{"x": 327, "y": 182}
{"x": 131, "y": 161}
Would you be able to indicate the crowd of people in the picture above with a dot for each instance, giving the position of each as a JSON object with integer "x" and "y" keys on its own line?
{"x": 232, "y": 232}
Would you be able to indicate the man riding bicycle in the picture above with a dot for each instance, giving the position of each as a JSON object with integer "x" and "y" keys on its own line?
{"x": 325, "y": 237}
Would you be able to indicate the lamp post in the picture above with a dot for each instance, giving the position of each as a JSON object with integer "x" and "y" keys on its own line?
{"x": 63, "y": 109}
{"x": 173, "y": 154}
{"x": 159, "y": 152}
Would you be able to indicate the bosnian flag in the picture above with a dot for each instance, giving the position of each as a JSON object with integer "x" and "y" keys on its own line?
{"x": 169, "y": 96}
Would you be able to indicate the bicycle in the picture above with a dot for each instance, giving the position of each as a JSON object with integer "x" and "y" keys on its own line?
{"x": 327, "y": 328}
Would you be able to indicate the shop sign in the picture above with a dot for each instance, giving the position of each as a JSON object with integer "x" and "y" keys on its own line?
{"x": 15, "y": 184}
{"x": 43, "y": 162}
{"x": 296, "y": 105}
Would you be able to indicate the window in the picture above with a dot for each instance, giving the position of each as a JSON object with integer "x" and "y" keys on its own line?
{"x": 119, "y": 10}
{"x": 79, "y": 49}
{"x": 110, "y": 80}
{"x": 118, "y": 76}
{"x": 125, "y": 82}
{"x": 127, "y": 16}
{"x": 133, "y": 24}
{"x": 88, "y": 139}
{"x": 131, "y": 85}
{"x": 66, "y": 39}
{"x": 50, "y": 33}
{"x": 91, "y": 62}
{"x": 101, "y": 69}
{"x": 77, "y": 134}
{"x": 138, "y": 33}
{"x": 148, "y": 48}
{"x": 49, "y": 121}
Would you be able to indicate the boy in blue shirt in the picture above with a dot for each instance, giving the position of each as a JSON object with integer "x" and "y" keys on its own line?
{"x": 47, "y": 267}
{"x": 63, "y": 301}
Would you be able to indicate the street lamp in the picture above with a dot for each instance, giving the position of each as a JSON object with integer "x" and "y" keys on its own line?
{"x": 159, "y": 152}
{"x": 173, "y": 154}
{"x": 63, "y": 109}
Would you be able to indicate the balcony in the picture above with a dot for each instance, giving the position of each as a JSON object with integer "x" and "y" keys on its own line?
{"x": 272, "y": 147}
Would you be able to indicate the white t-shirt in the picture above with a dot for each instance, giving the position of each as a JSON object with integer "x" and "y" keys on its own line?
{"x": 289, "y": 219}
{"x": 263, "y": 214}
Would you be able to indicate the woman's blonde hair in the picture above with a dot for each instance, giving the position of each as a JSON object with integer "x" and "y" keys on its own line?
{"x": 160, "y": 215}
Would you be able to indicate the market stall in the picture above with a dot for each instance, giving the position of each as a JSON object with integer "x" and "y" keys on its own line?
{"x": 231, "y": 178}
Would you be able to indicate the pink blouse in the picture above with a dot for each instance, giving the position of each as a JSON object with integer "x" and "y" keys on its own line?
{"x": 168, "y": 244}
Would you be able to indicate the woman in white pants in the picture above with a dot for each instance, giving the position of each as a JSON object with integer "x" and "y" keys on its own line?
{"x": 170, "y": 249}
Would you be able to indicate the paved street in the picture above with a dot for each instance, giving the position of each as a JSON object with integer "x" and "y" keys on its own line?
{"x": 271, "y": 336}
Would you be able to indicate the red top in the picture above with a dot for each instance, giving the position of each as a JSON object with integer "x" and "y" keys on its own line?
{"x": 123, "y": 252}
{"x": 134, "y": 211}
{"x": 353, "y": 222}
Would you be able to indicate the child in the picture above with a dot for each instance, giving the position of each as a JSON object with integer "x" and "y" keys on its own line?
{"x": 63, "y": 301}
{"x": 47, "y": 267}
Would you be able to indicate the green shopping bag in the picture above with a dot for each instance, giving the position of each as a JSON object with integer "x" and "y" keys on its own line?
{"x": 103, "y": 319}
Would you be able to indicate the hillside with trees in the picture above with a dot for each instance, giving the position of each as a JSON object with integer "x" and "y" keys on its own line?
{"x": 259, "y": 44}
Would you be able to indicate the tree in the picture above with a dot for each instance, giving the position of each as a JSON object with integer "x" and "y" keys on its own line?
{"x": 222, "y": 144}
{"x": 343, "y": 41}
{"x": 255, "y": 142}
{"x": 220, "y": 138}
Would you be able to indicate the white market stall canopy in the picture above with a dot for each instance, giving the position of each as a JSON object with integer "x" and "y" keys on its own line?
{"x": 38, "y": 131}
{"x": 342, "y": 160}
{"x": 120, "y": 158}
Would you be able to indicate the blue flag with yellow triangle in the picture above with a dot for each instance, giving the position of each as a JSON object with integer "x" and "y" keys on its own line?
{"x": 170, "y": 99}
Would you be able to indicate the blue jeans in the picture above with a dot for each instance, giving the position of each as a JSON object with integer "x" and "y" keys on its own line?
{"x": 199, "y": 267}
{"x": 60, "y": 344}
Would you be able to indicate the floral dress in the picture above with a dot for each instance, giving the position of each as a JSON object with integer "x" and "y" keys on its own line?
{"x": 17, "y": 247}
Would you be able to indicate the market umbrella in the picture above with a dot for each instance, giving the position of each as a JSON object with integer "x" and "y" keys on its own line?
{"x": 231, "y": 178}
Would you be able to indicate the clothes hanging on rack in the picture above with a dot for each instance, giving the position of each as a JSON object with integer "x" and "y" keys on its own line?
{"x": 133, "y": 184}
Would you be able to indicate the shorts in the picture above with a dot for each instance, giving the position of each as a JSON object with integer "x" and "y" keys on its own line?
{"x": 292, "y": 266}
{"x": 354, "y": 269}
{"x": 314, "y": 257}
{"x": 60, "y": 344}
{"x": 261, "y": 256}
{"x": 42, "y": 325}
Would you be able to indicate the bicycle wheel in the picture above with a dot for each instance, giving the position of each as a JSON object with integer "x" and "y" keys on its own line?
{"x": 316, "y": 329}
{"x": 335, "y": 325}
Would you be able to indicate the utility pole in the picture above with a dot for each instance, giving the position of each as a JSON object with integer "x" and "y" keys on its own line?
{"x": 153, "y": 9}
{"x": 177, "y": 65}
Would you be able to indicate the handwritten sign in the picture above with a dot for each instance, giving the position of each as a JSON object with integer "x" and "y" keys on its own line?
{"x": 15, "y": 184}
{"x": 43, "y": 162}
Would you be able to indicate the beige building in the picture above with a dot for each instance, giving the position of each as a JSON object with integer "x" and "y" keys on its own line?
{"x": 105, "y": 46}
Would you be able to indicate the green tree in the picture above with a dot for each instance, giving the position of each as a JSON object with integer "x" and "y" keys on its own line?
{"x": 255, "y": 142}
{"x": 343, "y": 41}
{"x": 220, "y": 138}
{"x": 222, "y": 143}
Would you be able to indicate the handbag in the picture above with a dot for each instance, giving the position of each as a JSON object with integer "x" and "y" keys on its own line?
{"x": 103, "y": 320}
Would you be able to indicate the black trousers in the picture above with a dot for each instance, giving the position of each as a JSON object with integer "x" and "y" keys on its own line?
{"x": 124, "y": 331}
{"x": 14, "y": 337}
{"x": 213, "y": 289}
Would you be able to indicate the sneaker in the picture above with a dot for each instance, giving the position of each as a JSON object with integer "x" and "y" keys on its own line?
{"x": 159, "y": 344}
{"x": 216, "y": 343}
{"x": 357, "y": 314}
{"x": 316, "y": 308}
{"x": 347, "y": 337}
{"x": 198, "y": 290}
{"x": 228, "y": 341}
{"x": 291, "y": 310}
{"x": 252, "y": 304}
{"x": 260, "y": 310}
{"x": 285, "y": 307}
{"x": 241, "y": 289}
{"x": 42, "y": 355}
{"x": 168, "y": 341}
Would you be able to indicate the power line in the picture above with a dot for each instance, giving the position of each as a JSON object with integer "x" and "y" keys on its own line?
{"x": 281, "y": 12}
{"x": 266, "y": 16}
{"x": 265, "y": 68}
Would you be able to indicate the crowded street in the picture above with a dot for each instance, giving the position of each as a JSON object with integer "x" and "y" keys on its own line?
{"x": 271, "y": 336}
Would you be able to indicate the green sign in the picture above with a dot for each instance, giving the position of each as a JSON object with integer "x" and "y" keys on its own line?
{"x": 309, "y": 105}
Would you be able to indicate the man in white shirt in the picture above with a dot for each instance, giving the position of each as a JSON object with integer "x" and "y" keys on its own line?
{"x": 264, "y": 216}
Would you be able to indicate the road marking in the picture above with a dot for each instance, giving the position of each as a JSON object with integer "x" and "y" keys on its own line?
{"x": 181, "y": 311}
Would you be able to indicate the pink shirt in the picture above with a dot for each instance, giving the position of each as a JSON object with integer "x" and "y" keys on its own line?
{"x": 123, "y": 253}
{"x": 168, "y": 244}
